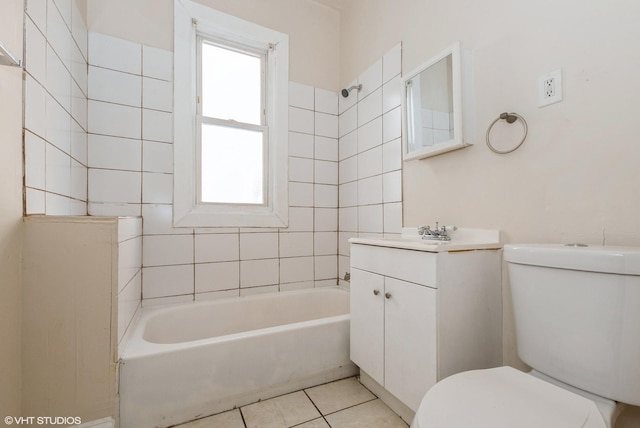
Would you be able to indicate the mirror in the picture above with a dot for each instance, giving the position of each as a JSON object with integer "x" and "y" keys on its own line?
{"x": 432, "y": 106}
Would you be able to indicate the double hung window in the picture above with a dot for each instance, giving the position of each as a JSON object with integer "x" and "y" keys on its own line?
{"x": 230, "y": 121}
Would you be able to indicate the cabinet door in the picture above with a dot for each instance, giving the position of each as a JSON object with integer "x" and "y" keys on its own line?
{"x": 367, "y": 322}
{"x": 410, "y": 340}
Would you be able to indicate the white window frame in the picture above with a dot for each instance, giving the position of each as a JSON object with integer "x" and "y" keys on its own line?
{"x": 191, "y": 19}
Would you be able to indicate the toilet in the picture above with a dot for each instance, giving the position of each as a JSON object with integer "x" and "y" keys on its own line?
{"x": 577, "y": 317}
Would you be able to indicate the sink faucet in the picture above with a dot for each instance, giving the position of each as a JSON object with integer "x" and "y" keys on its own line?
{"x": 438, "y": 234}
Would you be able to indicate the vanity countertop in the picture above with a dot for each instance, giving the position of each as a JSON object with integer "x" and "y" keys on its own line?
{"x": 461, "y": 240}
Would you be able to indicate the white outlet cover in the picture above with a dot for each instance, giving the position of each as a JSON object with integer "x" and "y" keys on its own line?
{"x": 543, "y": 98}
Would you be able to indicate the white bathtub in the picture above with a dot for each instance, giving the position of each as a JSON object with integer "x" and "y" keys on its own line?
{"x": 190, "y": 360}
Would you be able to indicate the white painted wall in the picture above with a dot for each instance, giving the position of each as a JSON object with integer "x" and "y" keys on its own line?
{"x": 313, "y": 29}
{"x": 576, "y": 178}
{"x": 10, "y": 211}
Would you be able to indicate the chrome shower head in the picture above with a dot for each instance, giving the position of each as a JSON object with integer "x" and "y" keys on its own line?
{"x": 345, "y": 92}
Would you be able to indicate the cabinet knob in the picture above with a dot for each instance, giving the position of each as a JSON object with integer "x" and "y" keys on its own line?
{"x": 387, "y": 295}
{"x": 376, "y": 292}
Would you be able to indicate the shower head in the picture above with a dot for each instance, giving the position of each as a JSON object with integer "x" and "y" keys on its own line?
{"x": 345, "y": 92}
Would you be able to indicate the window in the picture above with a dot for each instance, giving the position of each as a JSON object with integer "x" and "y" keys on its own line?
{"x": 230, "y": 117}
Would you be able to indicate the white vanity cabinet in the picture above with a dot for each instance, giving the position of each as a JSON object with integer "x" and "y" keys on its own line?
{"x": 420, "y": 316}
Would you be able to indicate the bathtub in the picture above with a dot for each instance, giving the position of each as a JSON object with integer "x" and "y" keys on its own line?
{"x": 186, "y": 361}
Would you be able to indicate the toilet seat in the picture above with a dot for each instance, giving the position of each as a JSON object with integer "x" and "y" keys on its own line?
{"x": 503, "y": 397}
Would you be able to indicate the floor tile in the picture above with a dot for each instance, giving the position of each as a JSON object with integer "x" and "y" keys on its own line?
{"x": 316, "y": 423}
{"x": 334, "y": 396}
{"x": 280, "y": 412}
{"x": 230, "y": 419}
{"x": 372, "y": 414}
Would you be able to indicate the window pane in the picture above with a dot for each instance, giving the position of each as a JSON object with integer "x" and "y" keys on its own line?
{"x": 232, "y": 165}
{"x": 231, "y": 85}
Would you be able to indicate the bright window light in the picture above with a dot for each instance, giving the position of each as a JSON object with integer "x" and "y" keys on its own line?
{"x": 232, "y": 165}
{"x": 231, "y": 85}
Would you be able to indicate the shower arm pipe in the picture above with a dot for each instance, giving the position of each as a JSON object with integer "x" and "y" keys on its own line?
{"x": 7, "y": 58}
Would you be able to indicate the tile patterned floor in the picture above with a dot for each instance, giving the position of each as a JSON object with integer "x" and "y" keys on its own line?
{"x": 341, "y": 404}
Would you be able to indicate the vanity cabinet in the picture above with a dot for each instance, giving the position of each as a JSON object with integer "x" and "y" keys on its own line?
{"x": 419, "y": 316}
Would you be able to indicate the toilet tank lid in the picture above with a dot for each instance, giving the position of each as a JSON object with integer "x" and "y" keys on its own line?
{"x": 596, "y": 258}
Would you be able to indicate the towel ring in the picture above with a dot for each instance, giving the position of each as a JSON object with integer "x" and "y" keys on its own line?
{"x": 510, "y": 118}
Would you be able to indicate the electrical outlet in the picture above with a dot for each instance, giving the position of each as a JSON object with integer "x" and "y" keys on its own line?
{"x": 550, "y": 88}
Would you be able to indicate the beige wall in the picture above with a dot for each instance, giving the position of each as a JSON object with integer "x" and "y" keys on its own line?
{"x": 576, "y": 179}
{"x": 10, "y": 210}
{"x": 313, "y": 29}
{"x": 70, "y": 317}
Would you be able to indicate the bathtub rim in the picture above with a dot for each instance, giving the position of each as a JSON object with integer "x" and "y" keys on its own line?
{"x": 137, "y": 347}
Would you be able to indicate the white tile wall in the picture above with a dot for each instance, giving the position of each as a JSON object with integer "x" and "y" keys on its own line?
{"x": 55, "y": 109}
{"x": 370, "y": 157}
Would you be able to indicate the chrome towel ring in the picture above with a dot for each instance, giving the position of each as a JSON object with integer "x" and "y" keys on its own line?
{"x": 510, "y": 118}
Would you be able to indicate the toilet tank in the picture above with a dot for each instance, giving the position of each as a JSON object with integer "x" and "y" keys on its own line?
{"x": 577, "y": 315}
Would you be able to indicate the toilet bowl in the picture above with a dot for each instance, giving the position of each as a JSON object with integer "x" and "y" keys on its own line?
{"x": 504, "y": 397}
{"x": 577, "y": 313}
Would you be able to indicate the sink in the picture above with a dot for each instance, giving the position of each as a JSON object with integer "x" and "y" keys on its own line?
{"x": 461, "y": 240}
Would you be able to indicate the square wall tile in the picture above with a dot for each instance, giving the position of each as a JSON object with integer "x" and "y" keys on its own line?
{"x": 348, "y": 194}
{"x": 79, "y": 181}
{"x": 157, "y": 188}
{"x": 370, "y": 134}
{"x": 392, "y": 63}
{"x": 370, "y": 162}
{"x": 348, "y": 121}
{"x": 164, "y": 281}
{"x": 348, "y": 146}
{"x": 217, "y": 276}
{"x": 217, "y": 247}
{"x": 57, "y": 171}
{"x": 326, "y": 220}
{"x": 301, "y": 120}
{"x": 325, "y": 267}
{"x": 58, "y": 125}
{"x": 301, "y": 95}
{"x": 35, "y": 101}
{"x": 300, "y": 194}
{"x": 35, "y": 161}
{"x": 393, "y": 217}
{"x": 79, "y": 106}
{"x": 115, "y": 86}
{"x": 296, "y": 269}
{"x": 391, "y": 125}
{"x": 326, "y": 148}
{"x": 157, "y": 94}
{"x": 163, "y": 250}
{"x": 114, "y": 152}
{"x": 157, "y": 157}
{"x": 115, "y": 53}
{"x": 370, "y": 107}
{"x": 391, "y": 92}
{"x": 56, "y": 204}
{"x": 348, "y": 170}
{"x": 325, "y": 243}
{"x": 370, "y": 80}
{"x": 157, "y": 126}
{"x": 326, "y": 172}
{"x": 370, "y": 219}
{"x": 157, "y": 63}
{"x": 58, "y": 80}
{"x": 114, "y": 119}
{"x": 258, "y": 246}
{"x": 392, "y": 155}
{"x": 255, "y": 273}
{"x": 392, "y": 186}
{"x": 301, "y": 145}
{"x": 326, "y": 101}
{"x": 58, "y": 34}
{"x": 300, "y": 219}
{"x": 37, "y": 11}
{"x": 35, "y": 51}
{"x": 296, "y": 244}
{"x": 107, "y": 185}
{"x": 326, "y": 125}
{"x": 348, "y": 219}
{"x": 301, "y": 170}
{"x": 370, "y": 190}
{"x": 325, "y": 196}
